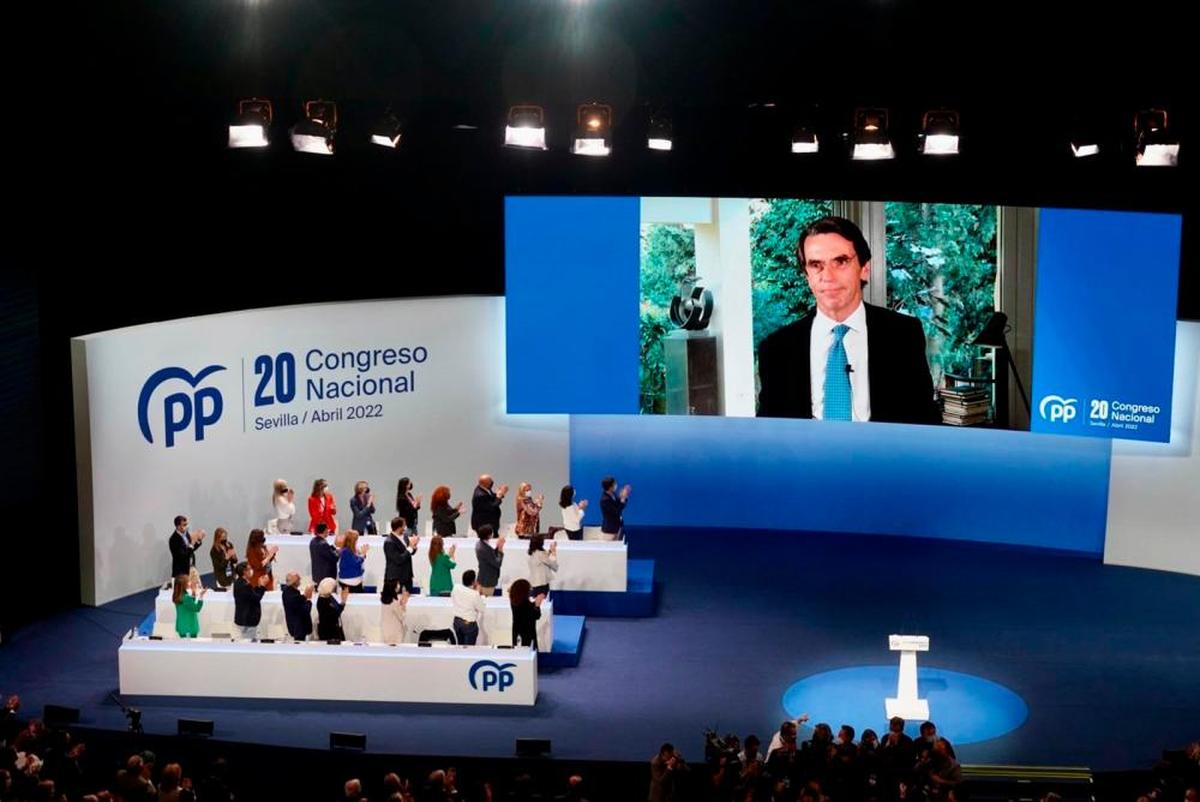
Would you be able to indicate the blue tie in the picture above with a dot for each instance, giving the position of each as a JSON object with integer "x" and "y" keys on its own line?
{"x": 837, "y": 379}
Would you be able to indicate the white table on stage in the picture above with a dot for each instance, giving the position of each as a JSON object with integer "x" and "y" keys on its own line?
{"x": 313, "y": 670}
{"x": 582, "y": 564}
{"x": 360, "y": 620}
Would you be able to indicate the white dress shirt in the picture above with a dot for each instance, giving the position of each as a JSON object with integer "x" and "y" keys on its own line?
{"x": 468, "y": 604}
{"x": 541, "y": 564}
{"x": 572, "y": 518}
{"x": 855, "y": 343}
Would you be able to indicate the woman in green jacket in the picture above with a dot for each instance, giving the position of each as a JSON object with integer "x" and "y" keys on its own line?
{"x": 440, "y": 581}
{"x": 187, "y": 607}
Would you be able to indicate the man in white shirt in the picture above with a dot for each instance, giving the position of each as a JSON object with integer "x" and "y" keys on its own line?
{"x": 469, "y": 608}
{"x": 845, "y": 360}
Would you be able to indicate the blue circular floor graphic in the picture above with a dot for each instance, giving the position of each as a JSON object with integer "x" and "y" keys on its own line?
{"x": 965, "y": 708}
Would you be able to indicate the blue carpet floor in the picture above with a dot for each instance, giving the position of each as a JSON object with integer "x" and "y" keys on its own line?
{"x": 1105, "y": 658}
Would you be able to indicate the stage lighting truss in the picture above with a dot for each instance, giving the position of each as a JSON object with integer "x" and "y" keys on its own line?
{"x": 252, "y": 124}
{"x": 526, "y": 128}
{"x": 660, "y": 132}
{"x": 387, "y": 132}
{"x": 593, "y": 130}
{"x": 939, "y": 133}
{"x": 871, "y": 139}
{"x": 1157, "y": 146}
{"x": 315, "y": 133}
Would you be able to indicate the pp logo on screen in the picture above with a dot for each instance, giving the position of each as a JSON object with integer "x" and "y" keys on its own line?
{"x": 488, "y": 674}
{"x": 1057, "y": 409}
{"x": 198, "y": 409}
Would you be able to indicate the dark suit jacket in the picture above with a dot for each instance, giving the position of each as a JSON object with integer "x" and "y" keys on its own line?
{"x": 489, "y": 560}
{"x": 324, "y": 559}
{"x": 397, "y": 560}
{"x": 183, "y": 556}
{"x": 247, "y": 603}
{"x": 612, "y": 509}
{"x": 297, "y": 611}
{"x": 485, "y": 509}
{"x": 901, "y": 387}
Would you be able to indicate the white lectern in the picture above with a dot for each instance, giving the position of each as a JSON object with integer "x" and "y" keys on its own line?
{"x": 906, "y": 705}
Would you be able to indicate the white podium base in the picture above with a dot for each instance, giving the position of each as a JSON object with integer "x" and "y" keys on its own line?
{"x": 907, "y": 709}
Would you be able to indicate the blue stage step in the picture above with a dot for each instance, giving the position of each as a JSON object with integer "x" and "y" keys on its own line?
{"x": 639, "y": 599}
{"x": 568, "y": 642}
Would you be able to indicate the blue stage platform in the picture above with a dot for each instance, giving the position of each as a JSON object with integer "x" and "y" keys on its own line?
{"x": 638, "y": 600}
{"x": 1105, "y": 659}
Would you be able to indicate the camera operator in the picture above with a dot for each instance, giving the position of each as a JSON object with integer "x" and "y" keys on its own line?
{"x": 666, "y": 771}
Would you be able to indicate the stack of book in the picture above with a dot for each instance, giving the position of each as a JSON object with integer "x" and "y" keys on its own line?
{"x": 965, "y": 406}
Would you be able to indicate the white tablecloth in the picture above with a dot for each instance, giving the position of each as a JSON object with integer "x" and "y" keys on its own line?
{"x": 360, "y": 620}
{"x": 582, "y": 564}
{"x": 314, "y": 670}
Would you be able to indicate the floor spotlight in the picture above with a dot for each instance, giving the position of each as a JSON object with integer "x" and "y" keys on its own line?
{"x": 526, "y": 128}
{"x": 315, "y": 133}
{"x": 387, "y": 132}
{"x": 1157, "y": 145}
{"x": 251, "y": 127}
{"x": 593, "y": 130}
{"x": 659, "y": 134}
{"x": 871, "y": 139}
{"x": 939, "y": 133}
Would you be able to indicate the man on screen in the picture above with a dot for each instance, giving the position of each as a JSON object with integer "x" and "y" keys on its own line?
{"x": 845, "y": 360}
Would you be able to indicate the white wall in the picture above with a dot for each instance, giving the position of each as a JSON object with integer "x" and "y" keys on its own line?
{"x": 447, "y": 430}
{"x": 1154, "y": 488}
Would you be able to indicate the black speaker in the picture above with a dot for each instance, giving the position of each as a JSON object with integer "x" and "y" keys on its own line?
{"x": 351, "y": 741}
{"x": 59, "y": 716}
{"x": 533, "y": 747}
{"x": 195, "y": 727}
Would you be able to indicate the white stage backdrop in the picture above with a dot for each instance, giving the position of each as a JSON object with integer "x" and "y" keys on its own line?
{"x": 199, "y": 416}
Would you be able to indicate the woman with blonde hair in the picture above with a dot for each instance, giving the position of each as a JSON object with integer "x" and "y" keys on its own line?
{"x": 362, "y": 508}
{"x": 224, "y": 558}
{"x": 329, "y": 610}
{"x": 350, "y": 562}
{"x": 283, "y": 500}
{"x": 529, "y": 511}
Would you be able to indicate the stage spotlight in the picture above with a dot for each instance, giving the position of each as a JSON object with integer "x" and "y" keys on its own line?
{"x": 593, "y": 130}
{"x": 939, "y": 133}
{"x": 1083, "y": 148}
{"x": 659, "y": 134}
{"x": 315, "y": 133}
{"x": 871, "y": 139}
{"x": 250, "y": 128}
{"x": 526, "y": 128}
{"x": 387, "y": 132}
{"x": 804, "y": 138}
{"x": 1157, "y": 146}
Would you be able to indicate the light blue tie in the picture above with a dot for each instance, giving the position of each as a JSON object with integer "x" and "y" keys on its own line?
{"x": 837, "y": 379}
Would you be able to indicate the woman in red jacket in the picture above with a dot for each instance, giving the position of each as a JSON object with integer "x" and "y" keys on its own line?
{"x": 322, "y": 507}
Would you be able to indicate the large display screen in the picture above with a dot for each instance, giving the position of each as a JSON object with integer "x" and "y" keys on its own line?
{"x": 1054, "y": 320}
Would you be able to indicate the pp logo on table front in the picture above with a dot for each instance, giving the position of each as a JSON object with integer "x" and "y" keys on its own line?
{"x": 1057, "y": 409}
{"x": 193, "y": 406}
{"x": 486, "y": 675}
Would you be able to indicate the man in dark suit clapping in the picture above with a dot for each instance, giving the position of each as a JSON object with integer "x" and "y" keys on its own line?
{"x": 485, "y": 503}
{"x": 183, "y": 547}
